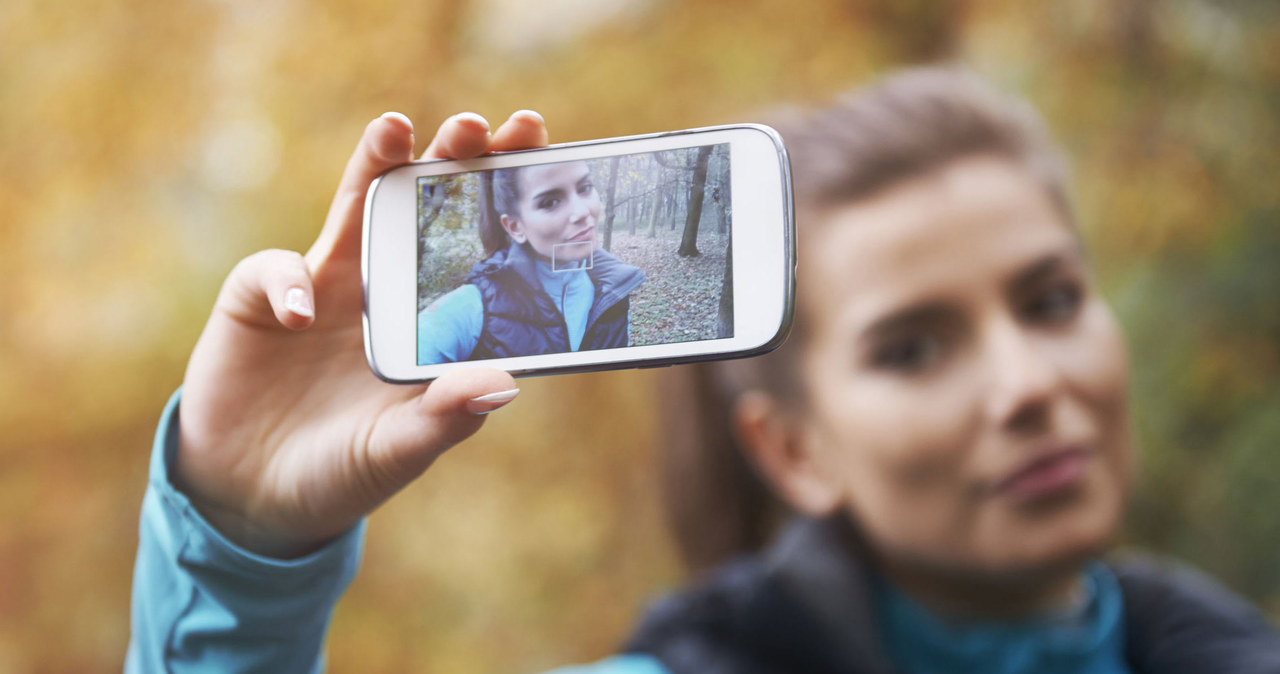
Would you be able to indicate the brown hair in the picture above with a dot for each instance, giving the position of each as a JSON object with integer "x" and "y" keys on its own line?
{"x": 499, "y": 195}
{"x": 904, "y": 126}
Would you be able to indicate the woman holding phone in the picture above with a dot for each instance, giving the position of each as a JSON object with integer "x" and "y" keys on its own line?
{"x": 544, "y": 287}
{"x": 949, "y": 424}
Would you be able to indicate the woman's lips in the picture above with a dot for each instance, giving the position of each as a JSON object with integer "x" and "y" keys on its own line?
{"x": 1051, "y": 474}
{"x": 583, "y": 236}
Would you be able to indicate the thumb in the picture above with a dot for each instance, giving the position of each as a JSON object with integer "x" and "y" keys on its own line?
{"x": 412, "y": 434}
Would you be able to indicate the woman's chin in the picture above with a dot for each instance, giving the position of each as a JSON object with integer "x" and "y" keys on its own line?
{"x": 1062, "y": 543}
{"x": 572, "y": 252}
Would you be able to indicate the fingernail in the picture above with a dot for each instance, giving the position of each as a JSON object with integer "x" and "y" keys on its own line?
{"x": 487, "y": 403}
{"x": 473, "y": 117}
{"x": 397, "y": 115}
{"x": 297, "y": 301}
{"x": 530, "y": 114}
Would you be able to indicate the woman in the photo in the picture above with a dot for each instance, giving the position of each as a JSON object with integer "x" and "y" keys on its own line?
{"x": 946, "y": 437}
{"x": 947, "y": 434}
{"x": 545, "y": 286}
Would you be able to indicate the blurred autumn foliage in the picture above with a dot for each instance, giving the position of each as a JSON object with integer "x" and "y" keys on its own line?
{"x": 146, "y": 146}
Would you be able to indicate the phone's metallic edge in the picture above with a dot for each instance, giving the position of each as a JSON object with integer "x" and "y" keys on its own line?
{"x": 365, "y": 234}
{"x": 789, "y": 269}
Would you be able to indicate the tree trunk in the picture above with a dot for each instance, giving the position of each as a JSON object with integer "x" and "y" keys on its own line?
{"x": 654, "y": 207}
{"x": 723, "y": 198}
{"x": 431, "y": 202}
{"x": 689, "y": 242}
{"x": 669, "y": 203}
{"x": 613, "y": 211}
{"x": 725, "y": 329}
{"x": 674, "y": 215}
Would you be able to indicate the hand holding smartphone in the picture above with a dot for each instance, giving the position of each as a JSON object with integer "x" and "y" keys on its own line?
{"x": 639, "y": 251}
{"x": 284, "y": 438}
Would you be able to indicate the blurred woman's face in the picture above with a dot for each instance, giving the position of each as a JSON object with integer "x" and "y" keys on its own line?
{"x": 968, "y": 384}
{"x": 558, "y": 209}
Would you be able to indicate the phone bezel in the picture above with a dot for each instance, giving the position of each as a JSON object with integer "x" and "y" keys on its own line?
{"x": 763, "y": 256}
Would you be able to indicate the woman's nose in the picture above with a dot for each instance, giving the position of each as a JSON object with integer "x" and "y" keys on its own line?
{"x": 1024, "y": 380}
{"x": 579, "y": 209}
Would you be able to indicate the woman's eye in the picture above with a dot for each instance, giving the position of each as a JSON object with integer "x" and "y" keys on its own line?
{"x": 548, "y": 204}
{"x": 910, "y": 354}
{"x": 1056, "y": 305}
{"x": 586, "y": 188}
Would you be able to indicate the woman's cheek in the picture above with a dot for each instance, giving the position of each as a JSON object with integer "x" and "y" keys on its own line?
{"x": 919, "y": 433}
{"x": 907, "y": 431}
{"x": 548, "y": 227}
{"x": 1105, "y": 386}
{"x": 1094, "y": 360}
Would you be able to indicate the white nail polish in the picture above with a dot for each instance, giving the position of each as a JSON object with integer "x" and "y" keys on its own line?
{"x": 473, "y": 117}
{"x": 487, "y": 403}
{"x": 398, "y": 115}
{"x": 296, "y": 300}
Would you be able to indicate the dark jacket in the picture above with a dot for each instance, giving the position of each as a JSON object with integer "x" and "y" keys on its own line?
{"x": 805, "y": 607}
{"x": 521, "y": 320}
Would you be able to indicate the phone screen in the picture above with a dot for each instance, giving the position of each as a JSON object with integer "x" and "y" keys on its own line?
{"x": 627, "y": 250}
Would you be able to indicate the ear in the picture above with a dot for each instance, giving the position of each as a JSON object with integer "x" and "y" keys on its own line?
{"x": 781, "y": 451}
{"x": 514, "y": 228}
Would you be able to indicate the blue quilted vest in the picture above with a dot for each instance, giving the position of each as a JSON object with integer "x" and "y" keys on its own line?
{"x": 521, "y": 320}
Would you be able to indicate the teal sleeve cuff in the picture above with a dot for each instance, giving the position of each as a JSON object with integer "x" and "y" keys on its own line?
{"x": 202, "y": 603}
{"x": 630, "y": 663}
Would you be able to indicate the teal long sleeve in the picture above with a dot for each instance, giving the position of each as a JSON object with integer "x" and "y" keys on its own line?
{"x": 201, "y": 603}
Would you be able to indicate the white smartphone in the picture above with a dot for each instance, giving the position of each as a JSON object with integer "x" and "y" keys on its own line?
{"x": 641, "y": 251}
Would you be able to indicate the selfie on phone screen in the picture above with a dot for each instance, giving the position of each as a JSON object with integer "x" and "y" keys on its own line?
{"x": 572, "y": 256}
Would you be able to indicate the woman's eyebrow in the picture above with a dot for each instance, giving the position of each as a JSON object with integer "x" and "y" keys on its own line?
{"x": 920, "y": 314}
{"x": 937, "y": 311}
{"x": 1044, "y": 267}
{"x": 553, "y": 192}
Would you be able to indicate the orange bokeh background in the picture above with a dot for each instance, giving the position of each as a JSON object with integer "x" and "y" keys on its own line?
{"x": 145, "y": 147}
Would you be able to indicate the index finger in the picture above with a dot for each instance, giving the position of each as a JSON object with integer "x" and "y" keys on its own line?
{"x": 462, "y": 136}
{"x": 525, "y": 129}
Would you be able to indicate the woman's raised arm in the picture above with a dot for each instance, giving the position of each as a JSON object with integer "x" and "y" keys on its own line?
{"x": 281, "y": 440}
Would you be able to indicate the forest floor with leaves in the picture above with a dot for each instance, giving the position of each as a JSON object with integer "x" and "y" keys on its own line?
{"x": 680, "y": 301}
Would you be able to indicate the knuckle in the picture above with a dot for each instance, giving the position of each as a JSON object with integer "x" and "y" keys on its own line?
{"x": 270, "y": 264}
{"x": 260, "y": 259}
{"x": 293, "y": 259}
{"x": 247, "y": 266}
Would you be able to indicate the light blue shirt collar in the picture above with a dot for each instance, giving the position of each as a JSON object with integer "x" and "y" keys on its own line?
{"x": 573, "y": 293}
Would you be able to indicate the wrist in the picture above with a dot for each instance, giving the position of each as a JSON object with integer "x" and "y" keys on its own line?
{"x": 224, "y": 510}
{"x": 250, "y": 534}
{"x": 239, "y": 527}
